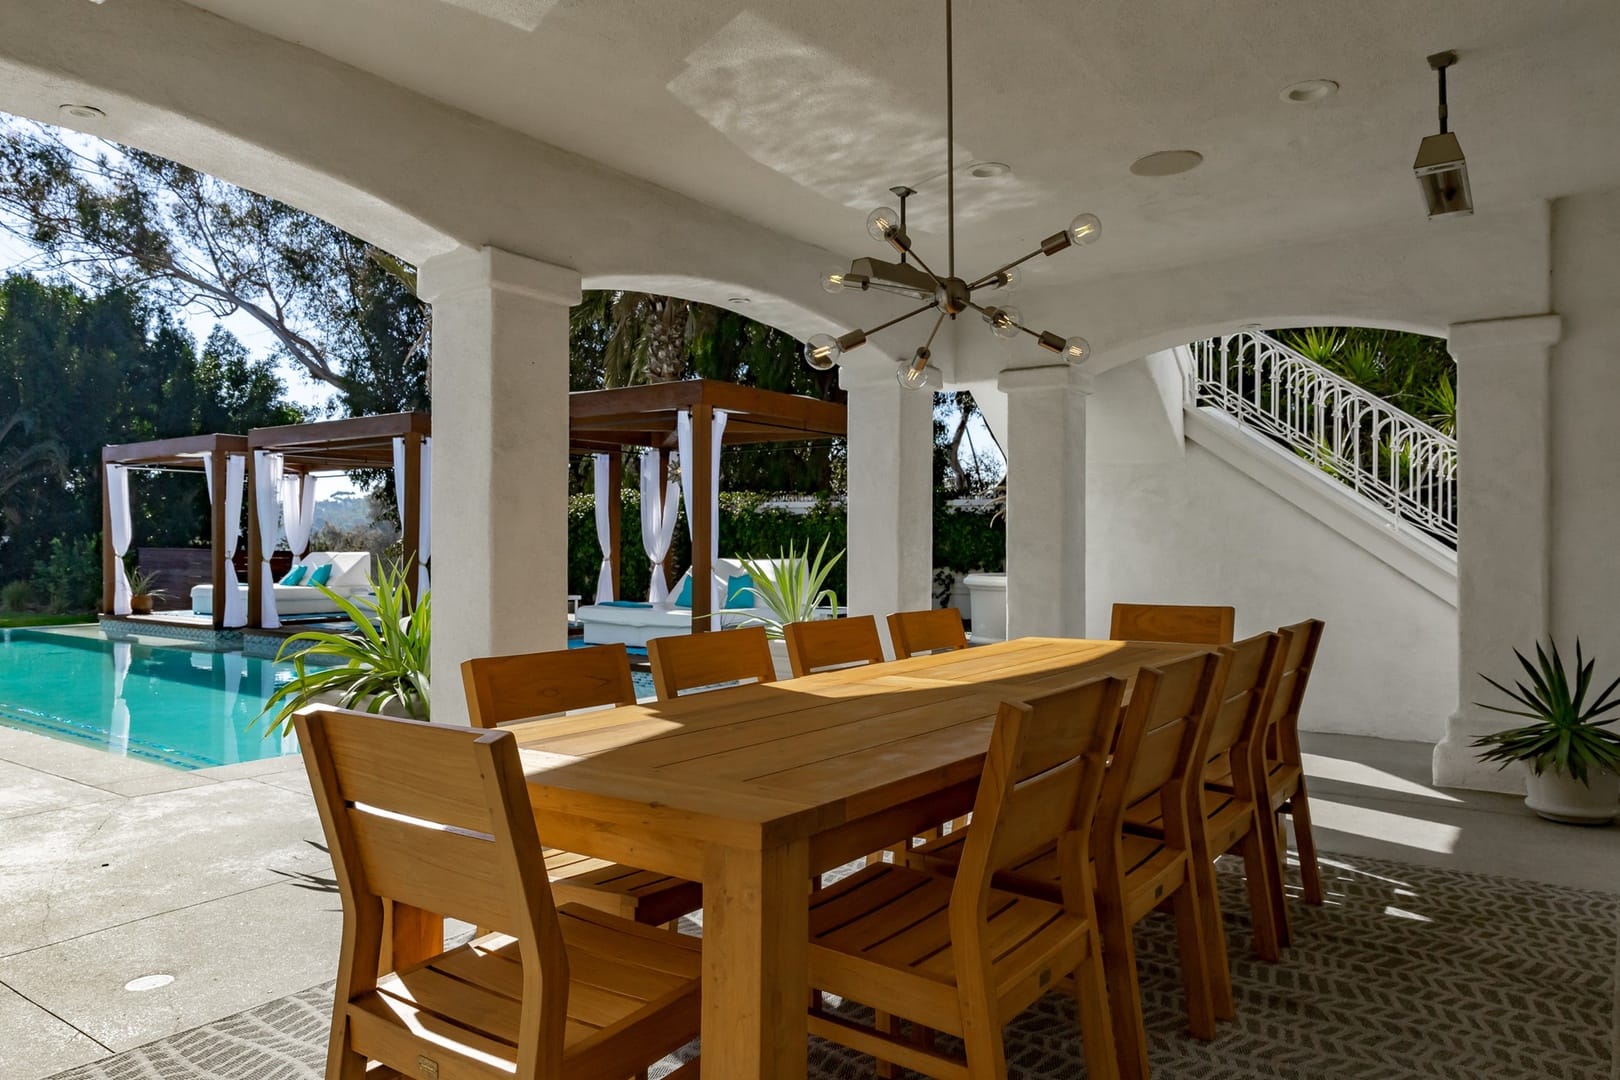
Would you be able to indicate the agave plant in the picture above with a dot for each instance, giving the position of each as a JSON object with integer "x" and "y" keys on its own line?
{"x": 382, "y": 664}
{"x": 791, "y": 589}
{"x": 143, "y": 584}
{"x": 1568, "y": 735}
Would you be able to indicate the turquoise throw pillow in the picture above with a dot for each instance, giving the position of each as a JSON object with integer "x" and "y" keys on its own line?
{"x": 294, "y": 576}
{"x": 684, "y": 597}
{"x": 320, "y": 575}
{"x": 739, "y": 591}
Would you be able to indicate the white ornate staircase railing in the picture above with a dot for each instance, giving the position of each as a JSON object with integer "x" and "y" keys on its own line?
{"x": 1389, "y": 457}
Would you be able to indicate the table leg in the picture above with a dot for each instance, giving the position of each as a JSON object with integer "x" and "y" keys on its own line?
{"x": 410, "y": 935}
{"x": 756, "y": 926}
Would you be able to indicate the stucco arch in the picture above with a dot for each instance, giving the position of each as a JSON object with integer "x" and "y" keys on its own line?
{"x": 396, "y": 168}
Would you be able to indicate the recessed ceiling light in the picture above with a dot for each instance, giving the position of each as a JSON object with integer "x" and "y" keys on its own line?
{"x": 81, "y": 112}
{"x": 1303, "y": 93}
{"x": 988, "y": 170}
{"x": 1167, "y": 163}
{"x": 148, "y": 982}
{"x": 738, "y": 300}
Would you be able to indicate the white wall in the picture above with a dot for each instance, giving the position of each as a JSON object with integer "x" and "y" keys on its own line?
{"x": 1180, "y": 525}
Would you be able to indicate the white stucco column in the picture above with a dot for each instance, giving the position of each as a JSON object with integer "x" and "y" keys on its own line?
{"x": 500, "y": 448}
{"x": 1046, "y": 500}
{"x": 891, "y": 492}
{"x": 1504, "y": 504}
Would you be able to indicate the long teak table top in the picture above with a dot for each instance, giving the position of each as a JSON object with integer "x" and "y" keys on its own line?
{"x": 805, "y": 755}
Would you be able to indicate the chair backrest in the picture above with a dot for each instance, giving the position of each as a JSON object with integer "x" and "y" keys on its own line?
{"x": 1039, "y": 787}
{"x": 829, "y": 643}
{"x": 1193, "y": 624}
{"x": 1297, "y": 655}
{"x": 1157, "y": 747}
{"x": 505, "y": 688}
{"x": 913, "y": 633}
{"x": 1243, "y": 698}
{"x": 437, "y": 817}
{"x": 684, "y": 662}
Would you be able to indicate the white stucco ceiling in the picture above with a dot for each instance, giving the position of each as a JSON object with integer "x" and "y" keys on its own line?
{"x": 801, "y": 115}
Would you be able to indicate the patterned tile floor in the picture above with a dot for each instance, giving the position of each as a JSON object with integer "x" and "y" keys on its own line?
{"x": 1408, "y": 973}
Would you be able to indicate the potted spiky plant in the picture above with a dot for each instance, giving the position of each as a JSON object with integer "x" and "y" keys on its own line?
{"x": 142, "y": 592}
{"x": 1572, "y": 753}
{"x": 381, "y": 666}
{"x": 790, "y": 588}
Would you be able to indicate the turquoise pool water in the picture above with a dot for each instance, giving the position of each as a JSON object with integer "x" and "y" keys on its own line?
{"x": 177, "y": 707}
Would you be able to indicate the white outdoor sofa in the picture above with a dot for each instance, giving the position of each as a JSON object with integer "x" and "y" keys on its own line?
{"x": 606, "y": 624}
{"x": 351, "y": 578}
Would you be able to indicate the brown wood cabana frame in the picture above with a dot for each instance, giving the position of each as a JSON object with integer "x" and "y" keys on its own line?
{"x": 361, "y": 442}
{"x": 607, "y": 421}
{"x": 189, "y": 452}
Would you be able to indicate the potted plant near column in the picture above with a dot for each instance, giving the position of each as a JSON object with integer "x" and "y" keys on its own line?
{"x": 142, "y": 592}
{"x": 1572, "y": 752}
{"x": 792, "y": 588}
{"x": 381, "y": 666}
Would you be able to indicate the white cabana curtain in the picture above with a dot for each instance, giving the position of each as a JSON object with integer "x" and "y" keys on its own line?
{"x": 604, "y": 534}
{"x": 267, "y": 487}
{"x": 118, "y": 727}
{"x": 234, "y": 604}
{"x": 298, "y": 511}
{"x": 423, "y": 518}
{"x": 659, "y": 509}
{"x": 118, "y": 505}
{"x": 683, "y": 435}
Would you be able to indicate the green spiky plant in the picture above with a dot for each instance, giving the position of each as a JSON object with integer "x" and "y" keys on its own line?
{"x": 383, "y": 662}
{"x": 142, "y": 584}
{"x": 1568, "y": 735}
{"x": 791, "y": 590}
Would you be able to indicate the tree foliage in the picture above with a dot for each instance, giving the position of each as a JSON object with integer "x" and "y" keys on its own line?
{"x": 113, "y": 217}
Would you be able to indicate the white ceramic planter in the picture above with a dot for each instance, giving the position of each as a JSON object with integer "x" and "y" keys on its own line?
{"x": 779, "y": 659}
{"x": 1559, "y": 797}
{"x": 988, "y": 603}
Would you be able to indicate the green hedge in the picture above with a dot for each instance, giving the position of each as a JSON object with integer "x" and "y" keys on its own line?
{"x": 964, "y": 540}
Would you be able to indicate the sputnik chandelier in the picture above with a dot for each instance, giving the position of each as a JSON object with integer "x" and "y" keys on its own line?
{"x": 950, "y": 295}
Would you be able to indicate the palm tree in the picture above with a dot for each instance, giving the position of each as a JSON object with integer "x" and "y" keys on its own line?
{"x": 19, "y": 463}
{"x": 643, "y": 337}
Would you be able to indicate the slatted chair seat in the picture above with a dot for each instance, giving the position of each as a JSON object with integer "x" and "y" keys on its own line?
{"x": 1282, "y": 780}
{"x": 643, "y": 895}
{"x": 469, "y": 1001}
{"x": 502, "y": 689}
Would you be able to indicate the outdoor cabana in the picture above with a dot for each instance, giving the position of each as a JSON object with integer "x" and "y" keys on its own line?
{"x": 282, "y": 464}
{"x": 695, "y": 417}
{"x": 221, "y": 459}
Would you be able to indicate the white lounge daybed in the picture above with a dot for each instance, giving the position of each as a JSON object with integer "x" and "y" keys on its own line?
{"x": 606, "y": 624}
{"x": 351, "y": 578}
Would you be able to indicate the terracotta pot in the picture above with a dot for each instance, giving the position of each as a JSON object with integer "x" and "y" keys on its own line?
{"x": 1557, "y": 796}
{"x": 140, "y": 605}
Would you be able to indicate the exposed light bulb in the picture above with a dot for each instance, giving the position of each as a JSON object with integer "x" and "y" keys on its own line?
{"x": 914, "y": 376}
{"x": 821, "y": 351}
{"x": 883, "y": 223}
{"x": 1085, "y": 229}
{"x": 1004, "y": 321}
{"x": 833, "y": 280}
{"x": 1076, "y": 349}
{"x": 1008, "y": 280}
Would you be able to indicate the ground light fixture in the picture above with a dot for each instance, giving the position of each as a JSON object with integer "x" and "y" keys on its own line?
{"x": 1441, "y": 172}
{"x": 947, "y": 294}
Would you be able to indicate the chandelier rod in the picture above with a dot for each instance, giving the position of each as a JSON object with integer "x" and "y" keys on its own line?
{"x": 902, "y": 318}
{"x": 950, "y": 139}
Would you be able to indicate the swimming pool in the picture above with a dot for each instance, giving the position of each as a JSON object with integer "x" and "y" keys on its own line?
{"x": 177, "y": 707}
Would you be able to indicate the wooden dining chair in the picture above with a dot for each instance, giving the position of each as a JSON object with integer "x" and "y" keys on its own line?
{"x": 1285, "y": 768}
{"x": 438, "y": 817}
{"x": 913, "y": 633}
{"x": 683, "y": 662}
{"x": 1192, "y": 624}
{"x": 501, "y": 689}
{"x": 823, "y": 644}
{"x": 1154, "y": 758}
{"x": 1232, "y": 819}
{"x": 957, "y": 955}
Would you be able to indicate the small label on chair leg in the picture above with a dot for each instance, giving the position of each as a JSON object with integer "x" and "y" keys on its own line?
{"x": 426, "y": 1066}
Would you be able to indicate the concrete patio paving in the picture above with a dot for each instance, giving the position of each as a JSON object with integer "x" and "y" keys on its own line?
{"x": 113, "y": 869}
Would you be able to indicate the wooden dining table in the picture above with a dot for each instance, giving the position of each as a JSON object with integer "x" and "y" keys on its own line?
{"x": 751, "y": 789}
